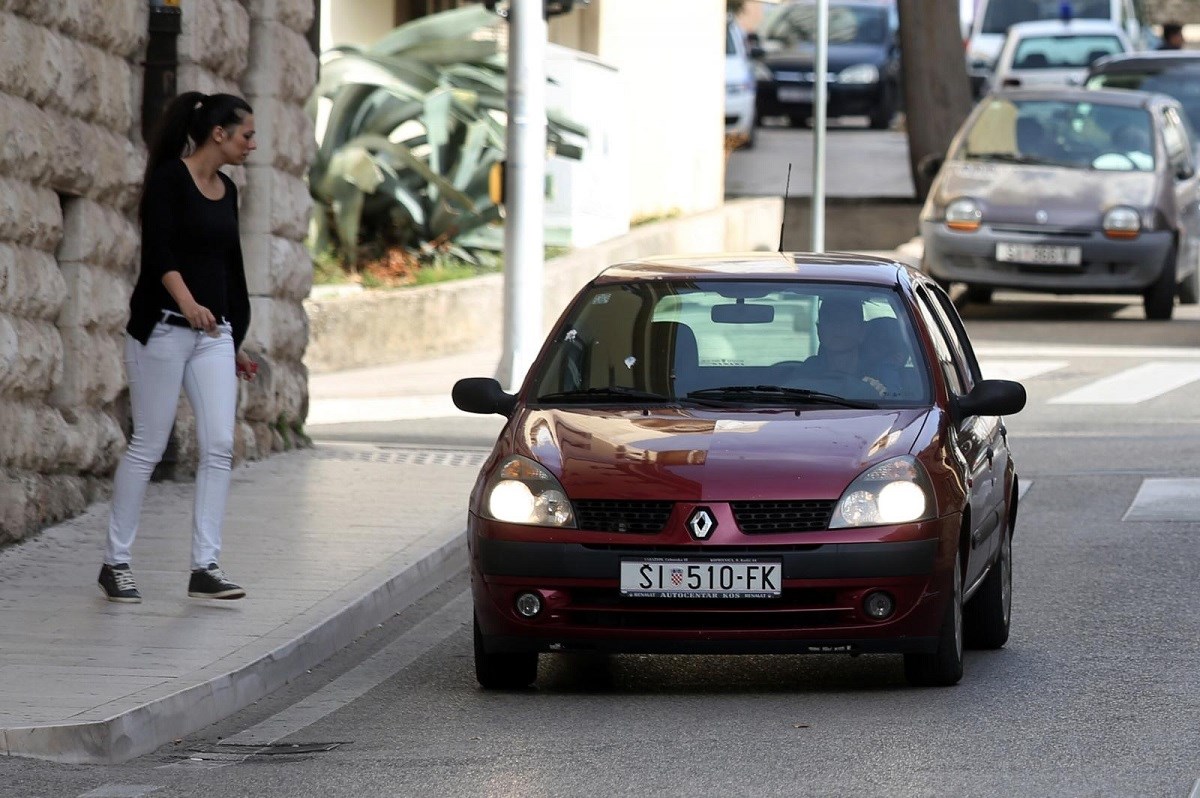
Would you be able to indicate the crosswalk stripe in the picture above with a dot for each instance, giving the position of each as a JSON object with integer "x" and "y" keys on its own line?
{"x": 1132, "y": 385}
{"x": 1018, "y": 369}
{"x": 984, "y": 351}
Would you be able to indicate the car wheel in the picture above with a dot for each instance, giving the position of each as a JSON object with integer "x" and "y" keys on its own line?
{"x": 979, "y": 294}
{"x": 944, "y": 666}
{"x": 1158, "y": 300}
{"x": 988, "y": 614}
{"x": 1189, "y": 289}
{"x": 507, "y": 671}
{"x": 881, "y": 117}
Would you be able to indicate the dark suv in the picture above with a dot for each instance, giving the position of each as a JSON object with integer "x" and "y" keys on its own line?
{"x": 863, "y": 61}
{"x": 1175, "y": 73}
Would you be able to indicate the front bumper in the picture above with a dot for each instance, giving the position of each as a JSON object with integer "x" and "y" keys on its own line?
{"x": 1108, "y": 266}
{"x": 842, "y": 99}
{"x": 819, "y": 608}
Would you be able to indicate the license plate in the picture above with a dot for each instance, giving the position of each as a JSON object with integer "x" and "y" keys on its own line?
{"x": 702, "y": 579}
{"x": 1039, "y": 254}
{"x": 795, "y": 94}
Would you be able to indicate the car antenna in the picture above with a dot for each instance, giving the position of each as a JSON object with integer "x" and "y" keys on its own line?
{"x": 783, "y": 216}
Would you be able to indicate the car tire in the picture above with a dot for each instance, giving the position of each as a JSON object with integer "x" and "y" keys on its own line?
{"x": 881, "y": 117}
{"x": 1158, "y": 300}
{"x": 1189, "y": 289}
{"x": 943, "y": 667}
{"x": 506, "y": 671}
{"x": 988, "y": 614}
{"x": 979, "y": 294}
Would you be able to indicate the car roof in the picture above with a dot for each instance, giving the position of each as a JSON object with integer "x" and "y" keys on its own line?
{"x": 1146, "y": 59}
{"x": 837, "y": 267}
{"x": 1125, "y": 97}
{"x": 1058, "y": 27}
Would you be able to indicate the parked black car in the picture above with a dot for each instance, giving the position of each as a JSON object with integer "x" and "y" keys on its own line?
{"x": 863, "y": 61}
{"x": 1175, "y": 73}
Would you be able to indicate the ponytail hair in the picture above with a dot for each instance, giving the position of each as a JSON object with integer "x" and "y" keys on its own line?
{"x": 186, "y": 123}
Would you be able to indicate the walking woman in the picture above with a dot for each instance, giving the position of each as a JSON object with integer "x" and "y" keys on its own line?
{"x": 188, "y": 317}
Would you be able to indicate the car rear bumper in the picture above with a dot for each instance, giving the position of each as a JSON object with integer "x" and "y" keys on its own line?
{"x": 842, "y": 100}
{"x": 820, "y": 608}
{"x": 1108, "y": 266}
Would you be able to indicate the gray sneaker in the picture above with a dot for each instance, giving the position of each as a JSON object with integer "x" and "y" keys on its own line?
{"x": 211, "y": 582}
{"x": 117, "y": 583}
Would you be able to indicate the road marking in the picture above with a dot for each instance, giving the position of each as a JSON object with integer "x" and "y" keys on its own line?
{"x": 121, "y": 791}
{"x": 1195, "y": 793}
{"x": 375, "y": 409}
{"x": 1166, "y": 500}
{"x": 366, "y": 676}
{"x": 1023, "y": 487}
{"x": 1071, "y": 351}
{"x": 1018, "y": 369}
{"x": 1133, "y": 385}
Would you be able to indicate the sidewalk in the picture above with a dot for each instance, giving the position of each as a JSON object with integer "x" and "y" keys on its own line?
{"x": 328, "y": 542}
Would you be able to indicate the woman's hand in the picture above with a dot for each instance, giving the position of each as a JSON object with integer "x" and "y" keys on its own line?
{"x": 246, "y": 368}
{"x": 200, "y": 317}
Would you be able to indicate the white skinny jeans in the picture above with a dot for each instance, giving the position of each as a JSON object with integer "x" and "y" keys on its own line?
{"x": 204, "y": 366}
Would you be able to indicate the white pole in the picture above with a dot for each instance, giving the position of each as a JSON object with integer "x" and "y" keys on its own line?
{"x": 524, "y": 233}
{"x": 820, "y": 92}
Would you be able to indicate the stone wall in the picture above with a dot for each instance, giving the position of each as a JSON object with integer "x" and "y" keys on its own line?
{"x": 71, "y": 160}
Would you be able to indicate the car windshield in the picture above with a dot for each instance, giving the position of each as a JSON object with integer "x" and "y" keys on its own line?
{"x": 1083, "y": 135}
{"x": 1063, "y": 52}
{"x": 1000, "y": 14}
{"x": 848, "y": 24}
{"x": 1182, "y": 83}
{"x": 734, "y": 343}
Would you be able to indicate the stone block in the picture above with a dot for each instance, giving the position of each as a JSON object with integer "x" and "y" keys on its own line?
{"x": 275, "y": 266}
{"x": 31, "y": 354}
{"x": 196, "y": 77}
{"x": 26, "y": 46}
{"x": 31, "y": 284}
{"x": 295, "y": 14}
{"x": 93, "y": 441}
{"x": 98, "y": 234}
{"x": 117, "y": 27}
{"x": 92, "y": 372}
{"x": 216, "y": 35}
{"x": 282, "y": 64}
{"x": 92, "y": 161}
{"x": 29, "y": 215}
{"x": 278, "y": 328}
{"x": 275, "y": 202}
{"x": 95, "y": 297}
{"x": 34, "y": 435}
{"x": 285, "y": 135}
{"x": 24, "y": 150}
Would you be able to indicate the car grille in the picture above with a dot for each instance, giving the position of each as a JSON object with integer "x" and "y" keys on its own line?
{"x": 605, "y": 515}
{"x": 768, "y": 517}
{"x": 796, "y": 609}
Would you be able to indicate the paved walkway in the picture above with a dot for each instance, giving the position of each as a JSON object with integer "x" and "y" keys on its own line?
{"x": 328, "y": 542}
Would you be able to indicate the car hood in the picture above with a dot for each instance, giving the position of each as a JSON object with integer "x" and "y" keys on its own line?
{"x": 695, "y": 455}
{"x": 1015, "y": 193}
{"x": 840, "y": 56}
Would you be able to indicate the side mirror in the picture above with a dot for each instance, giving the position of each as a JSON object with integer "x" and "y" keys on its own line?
{"x": 991, "y": 398}
{"x": 482, "y": 395}
{"x": 930, "y": 165}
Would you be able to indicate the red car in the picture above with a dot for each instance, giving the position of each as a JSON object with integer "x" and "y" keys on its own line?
{"x": 746, "y": 453}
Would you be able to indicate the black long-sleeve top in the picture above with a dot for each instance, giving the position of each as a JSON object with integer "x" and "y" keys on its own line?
{"x": 185, "y": 231}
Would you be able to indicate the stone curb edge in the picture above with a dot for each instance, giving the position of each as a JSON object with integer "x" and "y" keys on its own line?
{"x": 143, "y": 729}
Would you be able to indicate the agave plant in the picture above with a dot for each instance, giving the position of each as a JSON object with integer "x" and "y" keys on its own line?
{"x": 408, "y": 131}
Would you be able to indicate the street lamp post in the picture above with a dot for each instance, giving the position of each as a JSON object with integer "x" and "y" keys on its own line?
{"x": 820, "y": 93}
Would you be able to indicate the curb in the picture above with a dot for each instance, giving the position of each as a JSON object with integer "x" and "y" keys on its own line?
{"x": 218, "y": 691}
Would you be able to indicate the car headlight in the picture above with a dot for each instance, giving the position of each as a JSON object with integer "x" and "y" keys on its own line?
{"x": 964, "y": 215}
{"x": 523, "y": 492}
{"x": 859, "y": 74}
{"x": 895, "y": 491}
{"x": 1122, "y": 222}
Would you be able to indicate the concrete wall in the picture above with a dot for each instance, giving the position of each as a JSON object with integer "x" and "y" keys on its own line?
{"x": 377, "y": 327}
{"x": 71, "y": 160}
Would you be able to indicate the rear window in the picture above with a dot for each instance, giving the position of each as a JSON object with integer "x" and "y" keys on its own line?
{"x": 794, "y": 24}
{"x": 1182, "y": 83}
{"x": 1063, "y": 52}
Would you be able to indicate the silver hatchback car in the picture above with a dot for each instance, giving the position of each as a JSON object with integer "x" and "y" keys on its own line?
{"x": 1069, "y": 191}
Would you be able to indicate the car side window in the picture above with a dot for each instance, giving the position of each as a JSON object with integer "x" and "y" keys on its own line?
{"x": 1178, "y": 148}
{"x": 941, "y": 346}
{"x": 957, "y": 332}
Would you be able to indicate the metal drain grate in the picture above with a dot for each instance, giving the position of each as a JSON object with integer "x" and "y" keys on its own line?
{"x": 450, "y": 458}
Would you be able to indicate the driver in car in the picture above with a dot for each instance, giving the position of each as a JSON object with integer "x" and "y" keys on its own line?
{"x": 839, "y": 365}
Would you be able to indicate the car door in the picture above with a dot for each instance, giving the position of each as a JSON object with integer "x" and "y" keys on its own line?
{"x": 968, "y": 442}
{"x": 1182, "y": 166}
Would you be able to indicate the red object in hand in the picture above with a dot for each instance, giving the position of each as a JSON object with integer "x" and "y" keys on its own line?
{"x": 247, "y": 371}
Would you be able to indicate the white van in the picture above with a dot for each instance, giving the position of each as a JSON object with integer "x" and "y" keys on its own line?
{"x": 992, "y": 18}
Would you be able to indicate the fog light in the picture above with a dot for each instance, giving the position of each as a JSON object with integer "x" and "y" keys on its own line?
{"x": 879, "y": 605}
{"x": 530, "y": 604}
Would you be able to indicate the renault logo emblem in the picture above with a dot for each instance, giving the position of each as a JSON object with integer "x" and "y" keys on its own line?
{"x": 1041, "y": 216}
{"x": 701, "y": 523}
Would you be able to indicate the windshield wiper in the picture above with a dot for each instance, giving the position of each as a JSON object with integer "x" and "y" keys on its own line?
{"x": 1012, "y": 157}
{"x": 777, "y": 393}
{"x": 605, "y": 392}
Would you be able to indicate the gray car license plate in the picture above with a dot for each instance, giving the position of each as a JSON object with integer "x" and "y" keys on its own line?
{"x": 795, "y": 94}
{"x": 718, "y": 578}
{"x": 1039, "y": 254}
